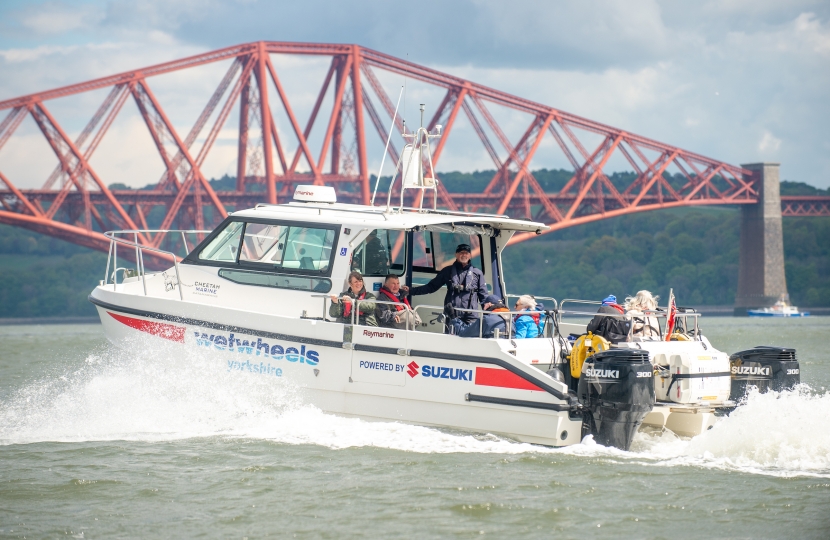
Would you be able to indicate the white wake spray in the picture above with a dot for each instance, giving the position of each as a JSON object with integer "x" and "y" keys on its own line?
{"x": 159, "y": 392}
{"x": 779, "y": 433}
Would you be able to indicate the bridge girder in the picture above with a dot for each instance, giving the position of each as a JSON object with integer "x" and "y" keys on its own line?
{"x": 75, "y": 203}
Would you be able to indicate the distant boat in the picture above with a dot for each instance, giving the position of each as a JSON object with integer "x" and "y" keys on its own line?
{"x": 780, "y": 309}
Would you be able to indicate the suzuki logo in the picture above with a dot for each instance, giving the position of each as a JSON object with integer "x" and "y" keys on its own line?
{"x": 751, "y": 370}
{"x": 602, "y": 373}
{"x": 413, "y": 369}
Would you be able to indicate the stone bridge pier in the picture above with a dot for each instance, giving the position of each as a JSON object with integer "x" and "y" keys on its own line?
{"x": 761, "y": 278}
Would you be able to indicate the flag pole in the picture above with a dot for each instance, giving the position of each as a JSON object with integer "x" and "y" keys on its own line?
{"x": 671, "y": 315}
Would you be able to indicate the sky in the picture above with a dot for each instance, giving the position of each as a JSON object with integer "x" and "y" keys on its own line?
{"x": 741, "y": 81}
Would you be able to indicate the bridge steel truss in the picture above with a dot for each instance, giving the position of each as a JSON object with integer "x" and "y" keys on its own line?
{"x": 75, "y": 203}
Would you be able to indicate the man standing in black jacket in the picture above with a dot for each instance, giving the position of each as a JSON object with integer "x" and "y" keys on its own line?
{"x": 465, "y": 283}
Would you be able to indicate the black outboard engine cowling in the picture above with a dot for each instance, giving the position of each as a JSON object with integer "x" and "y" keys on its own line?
{"x": 616, "y": 391}
{"x": 767, "y": 368}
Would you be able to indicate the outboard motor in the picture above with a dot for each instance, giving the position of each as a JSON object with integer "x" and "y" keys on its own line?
{"x": 616, "y": 391}
{"x": 767, "y": 368}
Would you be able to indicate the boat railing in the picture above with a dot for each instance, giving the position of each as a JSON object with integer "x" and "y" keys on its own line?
{"x": 659, "y": 313}
{"x": 508, "y": 317}
{"x": 425, "y": 310}
{"x": 538, "y": 298}
{"x": 353, "y": 316}
{"x": 436, "y": 311}
{"x": 116, "y": 239}
{"x": 563, "y": 311}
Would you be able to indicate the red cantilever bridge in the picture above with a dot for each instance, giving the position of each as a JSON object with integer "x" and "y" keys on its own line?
{"x": 76, "y": 204}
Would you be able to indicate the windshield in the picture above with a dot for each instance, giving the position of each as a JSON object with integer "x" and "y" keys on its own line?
{"x": 275, "y": 246}
{"x": 224, "y": 246}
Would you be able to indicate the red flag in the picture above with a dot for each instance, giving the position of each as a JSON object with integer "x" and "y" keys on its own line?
{"x": 672, "y": 315}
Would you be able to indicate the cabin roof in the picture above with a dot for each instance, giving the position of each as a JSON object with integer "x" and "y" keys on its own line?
{"x": 376, "y": 216}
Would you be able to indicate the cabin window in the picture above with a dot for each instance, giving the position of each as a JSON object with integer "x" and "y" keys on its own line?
{"x": 422, "y": 251}
{"x": 308, "y": 249}
{"x": 264, "y": 242}
{"x": 277, "y": 246}
{"x": 224, "y": 246}
{"x": 435, "y": 250}
{"x": 381, "y": 253}
{"x": 279, "y": 281}
{"x": 288, "y": 247}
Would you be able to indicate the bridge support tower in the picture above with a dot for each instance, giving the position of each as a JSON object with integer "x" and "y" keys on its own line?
{"x": 761, "y": 278}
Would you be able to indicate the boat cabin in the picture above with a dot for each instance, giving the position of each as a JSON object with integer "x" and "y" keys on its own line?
{"x": 288, "y": 259}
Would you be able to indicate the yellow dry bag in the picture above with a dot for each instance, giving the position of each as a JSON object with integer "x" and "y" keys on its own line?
{"x": 679, "y": 336}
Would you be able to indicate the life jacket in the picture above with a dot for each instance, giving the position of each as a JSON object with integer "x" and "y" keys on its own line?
{"x": 455, "y": 277}
{"x": 535, "y": 315}
{"x": 499, "y": 308}
{"x": 347, "y": 306}
{"x": 399, "y": 302}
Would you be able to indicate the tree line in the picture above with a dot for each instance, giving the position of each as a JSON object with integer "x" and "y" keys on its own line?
{"x": 692, "y": 250}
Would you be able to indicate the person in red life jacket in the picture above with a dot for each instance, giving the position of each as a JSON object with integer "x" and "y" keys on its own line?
{"x": 393, "y": 315}
{"x": 526, "y": 325}
{"x": 355, "y": 297}
{"x": 610, "y": 321}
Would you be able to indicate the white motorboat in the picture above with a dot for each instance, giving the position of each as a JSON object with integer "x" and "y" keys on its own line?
{"x": 252, "y": 299}
{"x": 781, "y": 308}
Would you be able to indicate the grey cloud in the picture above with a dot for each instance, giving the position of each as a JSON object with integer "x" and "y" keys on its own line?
{"x": 495, "y": 34}
{"x": 739, "y": 80}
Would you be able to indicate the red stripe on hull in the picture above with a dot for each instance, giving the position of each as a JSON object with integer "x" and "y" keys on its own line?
{"x": 166, "y": 331}
{"x": 502, "y": 378}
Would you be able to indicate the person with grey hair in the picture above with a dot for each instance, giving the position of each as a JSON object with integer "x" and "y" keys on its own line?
{"x": 526, "y": 325}
{"x": 636, "y": 307}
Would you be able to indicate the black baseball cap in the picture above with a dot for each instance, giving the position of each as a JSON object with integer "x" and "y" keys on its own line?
{"x": 463, "y": 247}
{"x": 493, "y": 299}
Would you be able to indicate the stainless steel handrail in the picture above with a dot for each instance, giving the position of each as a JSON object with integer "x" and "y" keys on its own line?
{"x": 482, "y": 311}
{"x": 380, "y": 210}
{"x": 139, "y": 253}
{"x": 659, "y": 313}
{"x": 354, "y": 312}
{"x": 390, "y": 303}
{"x": 352, "y": 301}
{"x": 536, "y": 297}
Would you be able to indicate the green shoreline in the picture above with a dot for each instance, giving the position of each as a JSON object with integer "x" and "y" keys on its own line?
{"x": 693, "y": 250}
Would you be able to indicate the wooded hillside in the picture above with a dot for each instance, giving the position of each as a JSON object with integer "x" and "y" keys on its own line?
{"x": 693, "y": 250}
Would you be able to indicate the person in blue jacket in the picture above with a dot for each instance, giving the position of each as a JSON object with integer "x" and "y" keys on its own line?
{"x": 465, "y": 283}
{"x": 526, "y": 325}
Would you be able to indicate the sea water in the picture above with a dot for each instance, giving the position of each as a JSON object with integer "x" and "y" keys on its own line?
{"x": 101, "y": 442}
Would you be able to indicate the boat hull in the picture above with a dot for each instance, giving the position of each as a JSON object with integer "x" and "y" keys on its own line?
{"x": 372, "y": 373}
{"x": 497, "y": 386}
{"x": 758, "y": 313}
{"x": 683, "y": 420}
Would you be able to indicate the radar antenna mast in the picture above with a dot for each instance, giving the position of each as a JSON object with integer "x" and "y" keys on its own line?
{"x": 411, "y": 166}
